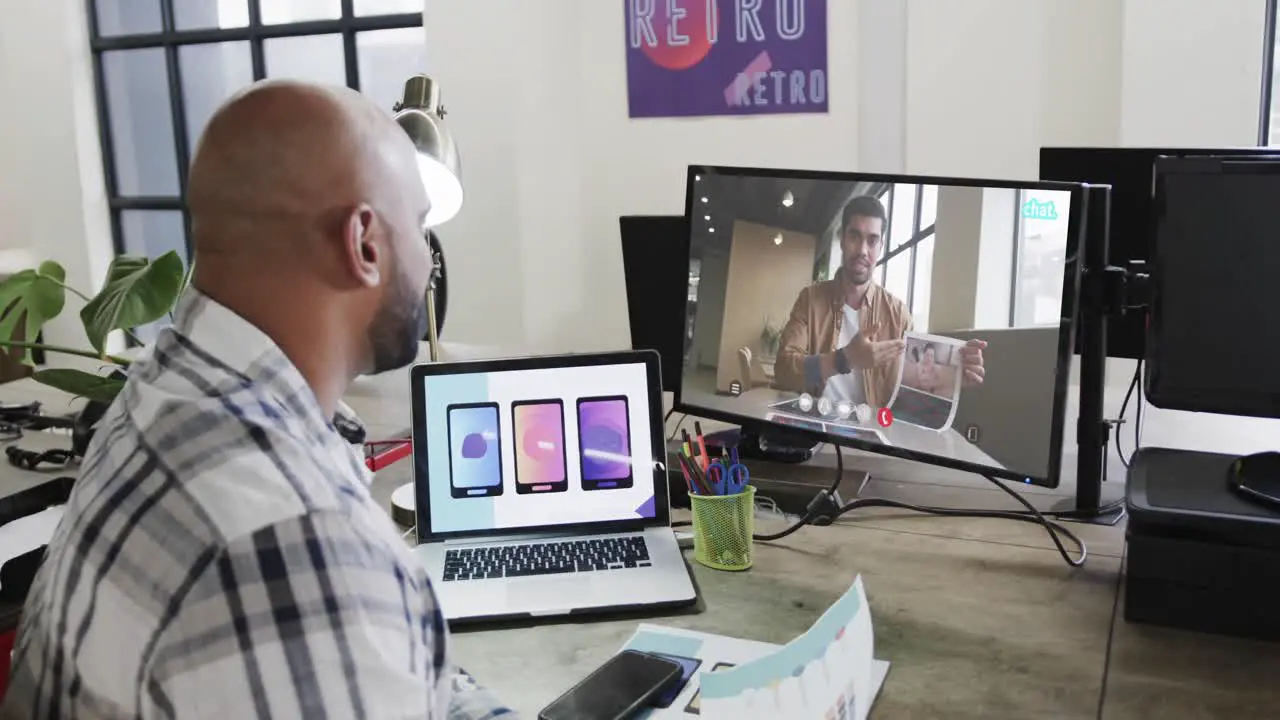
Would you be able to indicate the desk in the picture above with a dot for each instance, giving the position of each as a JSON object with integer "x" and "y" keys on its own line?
{"x": 980, "y": 618}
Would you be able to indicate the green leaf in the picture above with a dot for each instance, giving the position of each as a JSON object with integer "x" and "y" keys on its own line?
{"x": 80, "y": 383}
{"x": 138, "y": 291}
{"x": 33, "y": 297}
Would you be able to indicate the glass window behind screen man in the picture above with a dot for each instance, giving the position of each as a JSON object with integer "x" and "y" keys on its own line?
{"x": 1042, "y": 248}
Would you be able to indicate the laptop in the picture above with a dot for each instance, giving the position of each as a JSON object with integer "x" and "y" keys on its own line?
{"x": 541, "y": 487}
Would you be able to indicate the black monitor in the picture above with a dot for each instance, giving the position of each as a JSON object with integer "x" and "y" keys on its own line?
{"x": 952, "y": 263}
{"x": 655, "y": 262}
{"x": 1216, "y": 281}
{"x": 1129, "y": 172}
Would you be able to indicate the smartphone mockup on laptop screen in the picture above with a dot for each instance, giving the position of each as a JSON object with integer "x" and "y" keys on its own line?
{"x": 541, "y": 488}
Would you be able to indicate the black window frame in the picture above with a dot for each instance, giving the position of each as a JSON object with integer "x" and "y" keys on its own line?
{"x": 918, "y": 235}
{"x": 170, "y": 39}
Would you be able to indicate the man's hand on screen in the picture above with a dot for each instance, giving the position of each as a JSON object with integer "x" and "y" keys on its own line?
{"x": 971, "y": 362}
{"x": 864, "y": 351}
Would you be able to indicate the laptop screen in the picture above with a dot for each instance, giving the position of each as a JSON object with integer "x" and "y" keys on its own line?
{"x": 521, "y": 448}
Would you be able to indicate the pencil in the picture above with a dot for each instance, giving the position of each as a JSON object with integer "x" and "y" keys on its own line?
{"x": 702, "y": 444}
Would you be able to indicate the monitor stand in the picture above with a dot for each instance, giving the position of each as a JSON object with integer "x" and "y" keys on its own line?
{"x": 768, "y": 445}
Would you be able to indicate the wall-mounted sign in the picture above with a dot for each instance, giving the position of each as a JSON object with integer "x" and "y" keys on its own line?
{"x": 1034, "y": 209}
{"x": 726, "y": 57}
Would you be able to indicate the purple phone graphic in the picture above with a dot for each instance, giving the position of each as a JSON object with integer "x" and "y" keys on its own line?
{"x": 475, "y": 457}
{"x": 540, "y": 453}
{"x": 604, "y": 442}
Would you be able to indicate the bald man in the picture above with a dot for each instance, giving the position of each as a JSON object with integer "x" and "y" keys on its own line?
{"x": 221, "y": 556}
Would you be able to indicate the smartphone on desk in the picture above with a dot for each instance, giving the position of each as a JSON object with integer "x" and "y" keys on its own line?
{"x": 617, "y": 690}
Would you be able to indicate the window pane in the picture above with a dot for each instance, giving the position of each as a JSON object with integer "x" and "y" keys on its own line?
{"x": 210, "y": 74}
{"x": 387, "y": 58}
{"x": 920, "y": 291}
{"x": 388, "y": 7}
{"x": 126, "y": 17}
{"x": 1042, "y": 248}
{"x": 897, "y": 273}
{"x": 210, "y": 14}
{"x": 315, "y": 58}
{"x": 152, "y": 233}
{"x": 141, "y": 122}
{"x": 276, "y": 12}
{"x": 928, "y": 206}
{"x": 902, "y": 215}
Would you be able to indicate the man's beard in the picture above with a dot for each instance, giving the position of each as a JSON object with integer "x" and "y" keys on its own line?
{"x": 856, "y": 274}
{"x": 400, "y": 323}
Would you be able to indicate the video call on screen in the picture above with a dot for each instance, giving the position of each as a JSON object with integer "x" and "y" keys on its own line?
{"x": 903, "y": 280}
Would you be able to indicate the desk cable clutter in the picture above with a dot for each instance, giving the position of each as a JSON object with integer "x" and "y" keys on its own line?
{"x": 825, "y": 507}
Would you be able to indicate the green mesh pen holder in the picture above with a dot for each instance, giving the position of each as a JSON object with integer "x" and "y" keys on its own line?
{"x": 722, "y": 529}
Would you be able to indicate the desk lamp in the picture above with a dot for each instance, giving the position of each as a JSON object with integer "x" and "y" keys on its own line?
{"x": 421, "y": 116}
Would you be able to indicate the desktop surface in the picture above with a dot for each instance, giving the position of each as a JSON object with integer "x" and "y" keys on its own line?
{"x": 948, "y": 266}
{"x": 978, "y": 616}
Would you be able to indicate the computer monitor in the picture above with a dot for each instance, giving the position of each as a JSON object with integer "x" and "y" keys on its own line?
{"x": 655, "y": 262}
{"x": 933, "y": 266}
{"x": 1129, "y": 172}
{"x": 1216, "y": 278}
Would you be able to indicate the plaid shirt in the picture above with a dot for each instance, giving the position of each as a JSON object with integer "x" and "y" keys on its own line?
{"x": 221, "y": 557}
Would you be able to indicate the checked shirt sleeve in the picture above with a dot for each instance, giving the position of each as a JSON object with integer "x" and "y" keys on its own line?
{"x": 307, "y": 617}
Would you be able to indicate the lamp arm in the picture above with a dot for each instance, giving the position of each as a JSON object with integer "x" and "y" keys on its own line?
{"x": 437, "y": 298}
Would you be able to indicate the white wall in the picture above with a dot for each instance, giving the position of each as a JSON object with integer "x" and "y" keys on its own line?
{"x": 537, "y": 97}
{"x": 551, "y": 160}
{"x": 52, "y": 197}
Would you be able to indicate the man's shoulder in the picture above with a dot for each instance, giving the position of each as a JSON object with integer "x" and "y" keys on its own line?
{"x": 820, "y": 292}
{"x": 895, "y": 303}
{"x": 238, "y": 462}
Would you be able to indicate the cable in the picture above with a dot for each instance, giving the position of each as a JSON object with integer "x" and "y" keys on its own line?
{"x": 825, "y": 499}
{"x": 676, "y": 430}
{"x": 1124, "y": 409}
{"x": 31, "y": 459}
{"x": 1137, "y": 425}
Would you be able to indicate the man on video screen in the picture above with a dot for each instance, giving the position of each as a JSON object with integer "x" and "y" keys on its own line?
{"x": 844, "y": 337}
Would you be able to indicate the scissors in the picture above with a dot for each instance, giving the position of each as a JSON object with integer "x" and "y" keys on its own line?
{"x": 730, "y": 479}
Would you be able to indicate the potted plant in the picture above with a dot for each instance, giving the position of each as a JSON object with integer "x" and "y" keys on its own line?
{"x": 770, "y": 337}
{"x": 138, "y": 291}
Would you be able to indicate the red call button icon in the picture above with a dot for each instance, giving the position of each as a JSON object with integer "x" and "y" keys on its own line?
{"x": 885, "y": 417}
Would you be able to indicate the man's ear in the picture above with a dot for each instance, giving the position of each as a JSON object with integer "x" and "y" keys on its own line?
{"x": 363, "y": 246}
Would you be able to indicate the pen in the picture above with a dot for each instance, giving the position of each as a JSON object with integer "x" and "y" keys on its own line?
{"x": 688, "y": 481}
{"x": 694, "y": 485}
{"x": 702, "y": 444}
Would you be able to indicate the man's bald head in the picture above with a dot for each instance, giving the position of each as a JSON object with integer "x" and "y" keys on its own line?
{"x": 290, "y": 153}
{"x": 313, "y": 190}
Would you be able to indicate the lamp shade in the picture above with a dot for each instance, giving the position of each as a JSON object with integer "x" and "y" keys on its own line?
{"x": 421, "y": 116}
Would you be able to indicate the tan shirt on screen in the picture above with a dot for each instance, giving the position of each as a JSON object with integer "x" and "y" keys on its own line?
{"x": 814, "y": 327}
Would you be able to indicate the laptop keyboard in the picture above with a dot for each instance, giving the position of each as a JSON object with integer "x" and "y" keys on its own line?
{"x": 546, "y": 558}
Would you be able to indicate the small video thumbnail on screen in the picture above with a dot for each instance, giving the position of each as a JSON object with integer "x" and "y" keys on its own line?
{"x": 920, "y": 316}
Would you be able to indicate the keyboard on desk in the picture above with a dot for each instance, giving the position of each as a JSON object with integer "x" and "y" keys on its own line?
{"x": 546, "y": 558}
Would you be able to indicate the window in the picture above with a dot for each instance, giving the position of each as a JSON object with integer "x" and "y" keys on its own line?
{"x": 1040, "y": 250}
{"x": 164, "y": 66}
{"x": 907, "y": 260}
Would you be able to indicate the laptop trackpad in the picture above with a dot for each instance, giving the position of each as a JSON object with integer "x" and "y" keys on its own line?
{"x": 536, "y": 594}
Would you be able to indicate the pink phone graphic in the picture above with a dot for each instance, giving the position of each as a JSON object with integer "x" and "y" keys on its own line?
{"x": 539, "y": 446}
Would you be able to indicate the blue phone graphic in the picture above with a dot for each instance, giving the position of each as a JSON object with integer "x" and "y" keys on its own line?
{"x": 475, "y": 450}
